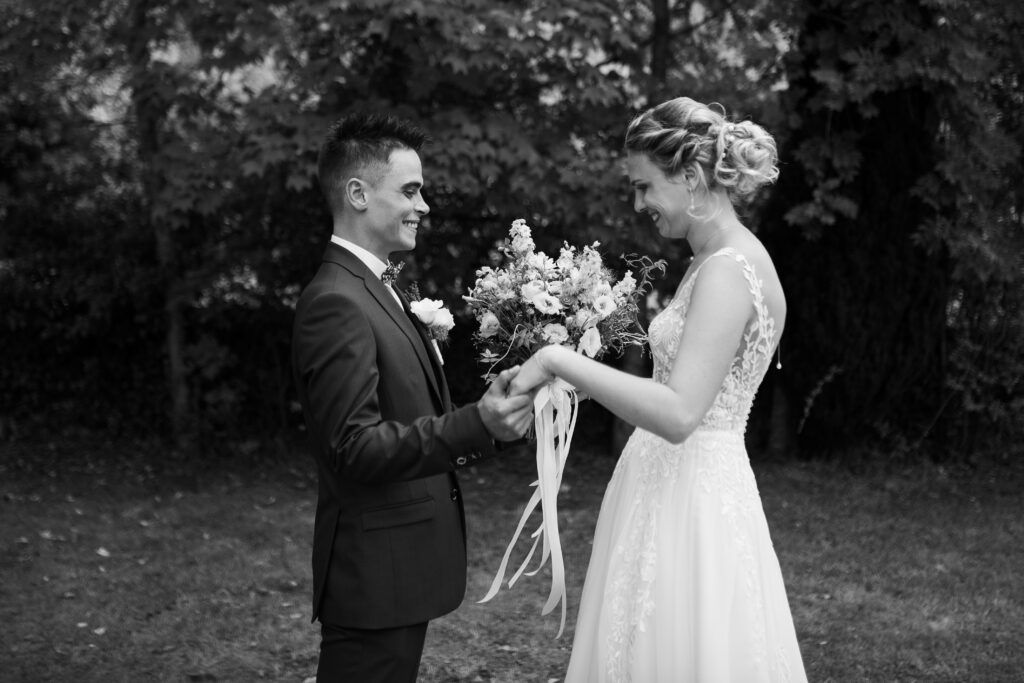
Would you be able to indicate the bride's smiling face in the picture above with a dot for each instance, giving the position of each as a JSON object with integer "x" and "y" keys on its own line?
{"x": 665, "y": 199}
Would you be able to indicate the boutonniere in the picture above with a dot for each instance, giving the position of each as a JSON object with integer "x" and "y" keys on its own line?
{"x": 432, "y": 313}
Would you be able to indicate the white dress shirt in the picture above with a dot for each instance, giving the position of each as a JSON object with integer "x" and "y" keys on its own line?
{"x": 376, "y": 266}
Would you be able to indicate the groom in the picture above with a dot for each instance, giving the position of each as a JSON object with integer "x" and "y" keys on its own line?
{"x": 389, "y": 545}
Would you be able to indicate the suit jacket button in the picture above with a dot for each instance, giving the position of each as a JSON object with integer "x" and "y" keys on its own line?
{"x": 454, "y": 494}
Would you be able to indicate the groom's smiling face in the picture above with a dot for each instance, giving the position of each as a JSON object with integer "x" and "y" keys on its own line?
{"x": 395, "y": 204}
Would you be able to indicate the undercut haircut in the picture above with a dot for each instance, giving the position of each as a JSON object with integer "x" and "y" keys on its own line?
{"x": 359, "y": 146}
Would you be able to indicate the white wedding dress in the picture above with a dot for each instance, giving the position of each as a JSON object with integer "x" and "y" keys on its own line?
{"x": 683, "y": 583}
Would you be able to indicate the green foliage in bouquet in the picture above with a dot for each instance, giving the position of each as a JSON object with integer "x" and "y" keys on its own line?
{"x": 574, "y": 300}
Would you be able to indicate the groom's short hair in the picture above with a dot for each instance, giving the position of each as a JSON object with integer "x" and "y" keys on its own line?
{"x": 360, "y": 145}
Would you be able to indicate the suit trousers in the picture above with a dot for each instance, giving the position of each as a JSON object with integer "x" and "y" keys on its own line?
{"x": 387, "y": 655}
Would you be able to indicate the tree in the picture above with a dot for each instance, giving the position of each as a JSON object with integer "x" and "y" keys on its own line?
{"x": 874, "y": 222}
{"x": 163, "y": 84}
{"x": 160, "y": 210}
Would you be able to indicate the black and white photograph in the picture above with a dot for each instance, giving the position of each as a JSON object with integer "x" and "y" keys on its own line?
{"x": 501, "y": 341}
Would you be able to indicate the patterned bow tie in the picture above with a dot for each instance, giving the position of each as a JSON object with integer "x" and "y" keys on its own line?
{"x": 390, "y": 273}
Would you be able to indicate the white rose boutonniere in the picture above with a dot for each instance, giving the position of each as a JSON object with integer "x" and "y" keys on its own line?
{"x": 437, "y": 319}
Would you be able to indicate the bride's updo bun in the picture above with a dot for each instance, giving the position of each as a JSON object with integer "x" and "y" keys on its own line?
{"x": 683, "y": 133}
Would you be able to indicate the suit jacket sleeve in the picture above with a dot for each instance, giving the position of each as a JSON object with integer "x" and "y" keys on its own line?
{"x": 335, "y": 354}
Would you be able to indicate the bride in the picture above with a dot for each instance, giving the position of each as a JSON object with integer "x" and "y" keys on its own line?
{"x": 683, "y": 582}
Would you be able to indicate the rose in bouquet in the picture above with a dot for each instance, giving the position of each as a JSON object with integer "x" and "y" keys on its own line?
{"x": 573, "y": 300}
{"x": 533, "y": 300}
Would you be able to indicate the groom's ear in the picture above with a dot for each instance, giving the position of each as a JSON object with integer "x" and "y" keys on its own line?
{"x": 355, "y": 194}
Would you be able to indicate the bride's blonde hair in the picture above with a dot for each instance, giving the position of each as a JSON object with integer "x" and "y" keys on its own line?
{"x": 683, "y": 134}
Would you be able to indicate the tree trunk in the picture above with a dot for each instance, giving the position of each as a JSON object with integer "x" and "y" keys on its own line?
{"x": 660, "y": 40}
{"x": 149, "y": 111}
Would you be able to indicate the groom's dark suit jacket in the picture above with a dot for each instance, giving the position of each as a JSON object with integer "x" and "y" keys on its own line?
{"x": 389, "y": 545}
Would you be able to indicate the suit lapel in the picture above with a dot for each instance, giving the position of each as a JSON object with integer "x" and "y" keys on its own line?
{"x": 376, "y": 289}
{"x": 428, "y": 344}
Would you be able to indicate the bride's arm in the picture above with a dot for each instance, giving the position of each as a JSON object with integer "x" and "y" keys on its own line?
{"x": 720, "y": 306}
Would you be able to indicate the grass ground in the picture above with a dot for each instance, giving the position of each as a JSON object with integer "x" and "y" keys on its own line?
{"x": 119, "y": 563}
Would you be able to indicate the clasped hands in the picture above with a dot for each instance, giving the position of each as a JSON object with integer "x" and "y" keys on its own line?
{"x": 506, "y": 408}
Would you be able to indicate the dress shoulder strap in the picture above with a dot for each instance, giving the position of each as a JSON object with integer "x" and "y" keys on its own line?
{"x": 753, "y": 282}
{"x": 765, "y": 323}
{"x": 692, "y": 277}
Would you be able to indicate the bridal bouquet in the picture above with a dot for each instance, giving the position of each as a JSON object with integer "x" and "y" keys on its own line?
{"x": 534, "y": 300}
{"x": 574, "y": 300}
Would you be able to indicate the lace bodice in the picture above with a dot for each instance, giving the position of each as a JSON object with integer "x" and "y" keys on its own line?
{"x": 731, "y": 407}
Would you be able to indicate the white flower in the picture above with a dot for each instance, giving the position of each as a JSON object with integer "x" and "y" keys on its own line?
{"x": 519, "y": 228}
{"x": 590, "y": 342}
{"x": 604, "y": 305}
{"x": 626, "y": 286}
{"x": 532, "y": 289}
{"x": 489, "y": 324}
{"x": 541, "y": 262}
{"x": 444, "y": 320}
{"x": 426, "y": 310}
{"x": 591, "y": 258}
{"x": 565, "y": 258}
{"x": 545, "y": 303}
{"x": 554, "y": 333}
{"x": 522, "y": 243}
{"x": 602, "y": 289}
{"x": 432, "y": 313}
{"x": 583, "y": 319}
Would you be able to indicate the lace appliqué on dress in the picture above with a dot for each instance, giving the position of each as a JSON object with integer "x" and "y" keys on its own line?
{"x": 721, "y": 464}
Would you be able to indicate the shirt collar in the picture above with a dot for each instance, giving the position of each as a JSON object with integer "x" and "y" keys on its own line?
{"x": 372, "y": 262}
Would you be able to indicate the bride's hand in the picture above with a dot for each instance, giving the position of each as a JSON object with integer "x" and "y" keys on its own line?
{"x": 532, "y": 375}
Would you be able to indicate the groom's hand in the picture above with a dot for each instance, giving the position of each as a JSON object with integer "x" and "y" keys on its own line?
{"x": 505, "y": 417}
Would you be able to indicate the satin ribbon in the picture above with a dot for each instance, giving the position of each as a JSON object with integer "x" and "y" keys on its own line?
{"x": 555, "y": 410}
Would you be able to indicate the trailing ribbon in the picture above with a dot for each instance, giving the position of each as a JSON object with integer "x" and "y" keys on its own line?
{"x": 554, "y": 409}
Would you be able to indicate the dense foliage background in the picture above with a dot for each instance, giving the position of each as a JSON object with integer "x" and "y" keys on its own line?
{"x": 159, "y": 212}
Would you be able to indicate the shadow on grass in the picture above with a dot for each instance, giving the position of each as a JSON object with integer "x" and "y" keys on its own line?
{"x": 123, "y": 563}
